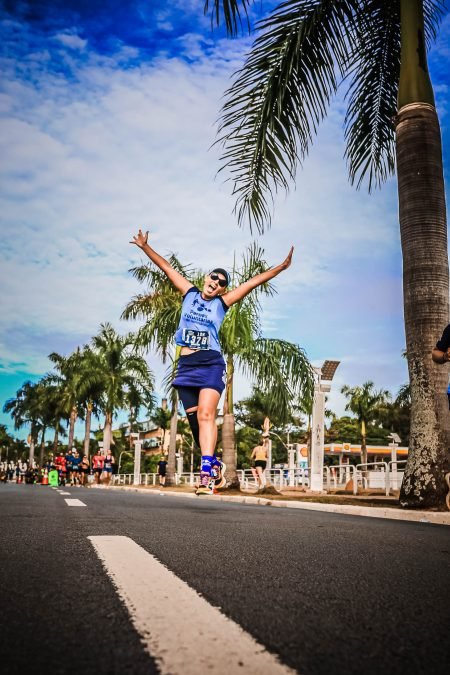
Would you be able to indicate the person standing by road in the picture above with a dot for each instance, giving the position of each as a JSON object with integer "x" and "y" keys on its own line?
{"x": 201, "y": 373}
{"x": 259, "y": 457}
{"x": 162, "y": 465}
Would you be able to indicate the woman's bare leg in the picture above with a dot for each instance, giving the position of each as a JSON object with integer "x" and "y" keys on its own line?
{"x": 208, "y": 401}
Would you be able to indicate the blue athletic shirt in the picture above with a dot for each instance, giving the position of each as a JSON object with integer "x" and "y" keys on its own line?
{"x": 200, "y": 321}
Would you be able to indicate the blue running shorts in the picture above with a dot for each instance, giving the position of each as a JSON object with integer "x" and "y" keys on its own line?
{"x": 204, "y": 369}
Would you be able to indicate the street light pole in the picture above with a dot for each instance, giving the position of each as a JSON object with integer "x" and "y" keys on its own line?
{"x": 321, "y": 387}
{"x": 137, "y": 458}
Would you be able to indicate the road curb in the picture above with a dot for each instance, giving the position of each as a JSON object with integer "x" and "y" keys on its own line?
{"x": 432, "y": 517}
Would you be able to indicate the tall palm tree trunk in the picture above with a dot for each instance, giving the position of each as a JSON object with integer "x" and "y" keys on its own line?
{"x": 171, "y": 459}
{"x": 32, "y": 446}
{"x": 87, "y": 429}
{"x": 55, "y": 439}
{"x": 42, "y": 448}
{"x": 228, "y": 430}
{"x": 72, "y": 420}
{"x": 107, "y": 432}
{"x": 425, "y": 268}
{"x": 425, "y": 291}
{"x": 365, "y": 472}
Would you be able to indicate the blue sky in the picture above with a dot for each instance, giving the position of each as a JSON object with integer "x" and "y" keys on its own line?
{"x": 107, "y": 116}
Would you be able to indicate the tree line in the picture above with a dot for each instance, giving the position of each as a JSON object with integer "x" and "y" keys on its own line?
{"x": 111, "y": 373}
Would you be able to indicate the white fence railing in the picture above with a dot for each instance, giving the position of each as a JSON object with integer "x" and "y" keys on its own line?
{"x": 339, "y": 476}
{"x": 279, "y": 478}
{"x": 372, "y": 475}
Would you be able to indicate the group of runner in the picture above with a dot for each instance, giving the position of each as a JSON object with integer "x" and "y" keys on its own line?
{"x": 72, "y": 468}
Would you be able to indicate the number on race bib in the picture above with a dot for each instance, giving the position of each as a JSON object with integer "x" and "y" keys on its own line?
{"x": 196, "y": 339}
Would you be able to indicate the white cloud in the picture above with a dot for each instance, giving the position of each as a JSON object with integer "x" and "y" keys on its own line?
{"x": 86, "y": 162}
{"x": 71, "y": 40}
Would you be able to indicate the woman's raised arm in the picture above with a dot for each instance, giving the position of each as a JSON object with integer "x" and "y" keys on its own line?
{"x": 177, "y": 279}
{"x": 244, "y": 289}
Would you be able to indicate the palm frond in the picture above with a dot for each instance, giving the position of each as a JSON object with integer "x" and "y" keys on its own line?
{"x": 278, "y": 99}
{"x": 230, "y": 12}
{"x": 280, "y": 367}
{"x": 253, "y": 263}
{"x": 372, "y": 95}
{"x": 433, "y": 13}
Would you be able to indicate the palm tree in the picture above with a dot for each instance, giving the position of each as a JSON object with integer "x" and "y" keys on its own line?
{"x": 125, "y": 376}
{"x": 278, "y": 366}
{"x": 25, "y": 410}
{"x": 304, "y": 51}
{"x": 54, "y": 406}
{"x": 364, "y": 402}
{"x": 71, "y": 378}
{"x": 161, "y": 417}
{"x": 49, "y": 398}
{"x": 91, "y": 391}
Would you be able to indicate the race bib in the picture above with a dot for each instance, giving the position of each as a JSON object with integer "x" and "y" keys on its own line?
{"x": 196, "y": 339}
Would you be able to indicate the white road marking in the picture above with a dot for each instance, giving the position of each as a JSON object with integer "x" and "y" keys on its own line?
{"x": 64, "y": 493}
{"x": 162, "y": 606}
{"x": 74, "y": 502}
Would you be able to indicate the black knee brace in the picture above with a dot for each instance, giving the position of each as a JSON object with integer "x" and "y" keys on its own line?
{"x": 193, "y": 423}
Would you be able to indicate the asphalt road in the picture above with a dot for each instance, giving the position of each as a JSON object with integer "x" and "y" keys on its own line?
{"x": 327, "y": 593}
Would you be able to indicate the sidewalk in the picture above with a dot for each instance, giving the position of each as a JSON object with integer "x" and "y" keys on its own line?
{"x": 347, "y": 505}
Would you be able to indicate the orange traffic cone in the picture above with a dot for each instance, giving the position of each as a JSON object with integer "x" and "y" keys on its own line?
{"x": 45, "y": 477}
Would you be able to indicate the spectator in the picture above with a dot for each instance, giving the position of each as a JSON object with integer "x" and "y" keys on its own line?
{"x": 162, "y": 466}
{"x": 23, "y": 471}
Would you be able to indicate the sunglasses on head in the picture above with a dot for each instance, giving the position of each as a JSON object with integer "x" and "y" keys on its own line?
{"x": 215, "y": 277}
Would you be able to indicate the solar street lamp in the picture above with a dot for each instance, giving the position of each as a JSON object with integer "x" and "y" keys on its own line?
{"x": 137, "y": 442}
{"x": 322, "y": 386}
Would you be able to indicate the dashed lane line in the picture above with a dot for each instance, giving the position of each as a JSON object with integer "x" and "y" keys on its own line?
{"x": 64, "y": 493}
{"x": 161, "y": 605}
{"x": 74, "y": 502}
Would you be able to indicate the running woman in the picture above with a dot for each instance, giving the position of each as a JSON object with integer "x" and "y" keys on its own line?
{"x": 201, "y": 375}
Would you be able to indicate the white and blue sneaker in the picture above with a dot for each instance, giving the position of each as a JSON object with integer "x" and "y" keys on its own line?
{"x": 219, "y": 475}
{"x": 206, "y": 486}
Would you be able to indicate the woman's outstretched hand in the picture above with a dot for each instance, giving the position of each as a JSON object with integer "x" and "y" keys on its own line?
{"x": 140, "y": 239}
{"x": 286, "y": 263}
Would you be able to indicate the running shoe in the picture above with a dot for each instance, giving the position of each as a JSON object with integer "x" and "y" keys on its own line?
{"x": 219, "y": 478}
{"x": 206, "y": 486}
